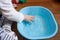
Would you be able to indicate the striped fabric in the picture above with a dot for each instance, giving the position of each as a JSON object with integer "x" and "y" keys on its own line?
{"x": 5, "y": 30}
{"x": 7, "y": 35}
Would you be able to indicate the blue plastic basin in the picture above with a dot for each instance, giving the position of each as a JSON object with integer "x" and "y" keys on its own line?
{"x": 43, "y": 26}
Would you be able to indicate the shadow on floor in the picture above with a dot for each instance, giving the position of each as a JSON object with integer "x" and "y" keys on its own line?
{"x": 56, "y": 1}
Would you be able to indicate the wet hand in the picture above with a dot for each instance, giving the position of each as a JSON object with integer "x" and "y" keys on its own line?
{"x": 28, "y": 18}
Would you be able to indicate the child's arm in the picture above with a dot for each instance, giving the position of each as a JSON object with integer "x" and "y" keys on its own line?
{"x": 9, "y": 12}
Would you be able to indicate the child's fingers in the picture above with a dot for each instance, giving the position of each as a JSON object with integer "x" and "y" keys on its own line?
{"x": 32, "y": 16}
{"x": 31, "y": 19}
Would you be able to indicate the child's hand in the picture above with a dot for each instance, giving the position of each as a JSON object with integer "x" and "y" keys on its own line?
{"x": 28, "y": 18}
{"x": 15, "y": 5}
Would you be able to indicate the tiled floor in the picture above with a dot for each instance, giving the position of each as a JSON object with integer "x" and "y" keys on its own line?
{"x": 53, "y": 5}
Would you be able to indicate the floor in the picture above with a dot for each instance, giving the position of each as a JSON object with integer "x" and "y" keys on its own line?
{"x": 53, "y": 5}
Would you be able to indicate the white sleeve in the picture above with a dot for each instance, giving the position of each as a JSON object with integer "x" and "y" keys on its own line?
{"x": 9, "y": 12}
